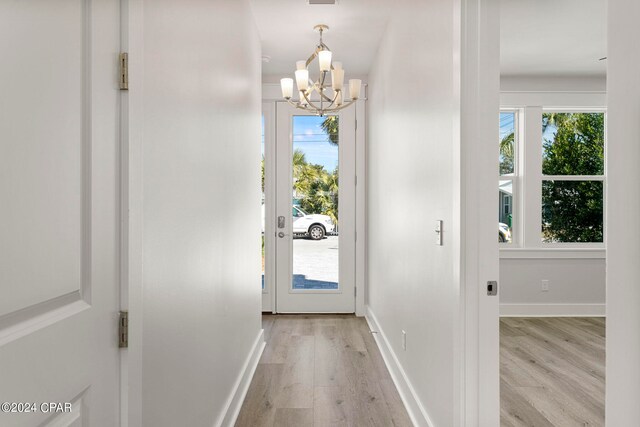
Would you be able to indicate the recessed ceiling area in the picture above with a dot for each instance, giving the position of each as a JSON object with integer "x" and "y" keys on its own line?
{"x": 286, "y": 30}
{"x": 553, "y": 37}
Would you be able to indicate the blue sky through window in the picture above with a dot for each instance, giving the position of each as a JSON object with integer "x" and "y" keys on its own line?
{"x": 507, "y": 124}
{"x": 309, "y": 137}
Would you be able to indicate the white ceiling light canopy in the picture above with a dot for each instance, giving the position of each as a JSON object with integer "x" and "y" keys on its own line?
{"x": 331, "y": 97}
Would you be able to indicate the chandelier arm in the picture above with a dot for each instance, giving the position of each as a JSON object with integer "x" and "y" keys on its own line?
{"x": 333, "y": 100}
{"x": 296, "y": 104}
{"x": 333, "y": 110}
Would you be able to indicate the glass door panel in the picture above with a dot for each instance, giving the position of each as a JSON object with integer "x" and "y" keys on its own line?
{"x": 314, "y": 212}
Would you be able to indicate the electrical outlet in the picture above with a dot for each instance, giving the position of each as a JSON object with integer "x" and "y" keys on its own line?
{"x": 404, "y": 340}
{"x": 545, "y": 286}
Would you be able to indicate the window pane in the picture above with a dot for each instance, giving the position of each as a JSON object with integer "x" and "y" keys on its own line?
{"x": 572, "y": 211}
{"x": 573, "y": 143}
{"x": 505, "y": 211}
{"x": 507, "y": 142}
{"x": 315, "y": 202}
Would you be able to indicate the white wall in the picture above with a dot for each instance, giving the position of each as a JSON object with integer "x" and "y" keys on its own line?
{"x": 410, "y": 169}
{"x": 201, "y": 206}
{"x": 623, "y": 210}
{"x": 576, "y": 286}
{"x": 576, "y": 277}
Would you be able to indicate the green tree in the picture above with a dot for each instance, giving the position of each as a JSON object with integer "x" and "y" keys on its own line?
{"x": 507, "y": 154}
{"x": 315, "y": 188}
{"x": 573, "y": 144}
{"x": 331, "y": 127}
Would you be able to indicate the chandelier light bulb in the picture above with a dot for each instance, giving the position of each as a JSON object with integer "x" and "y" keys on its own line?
{"x": 354, "y": 88}
{"x": 324, "y": 58}
{"x": 301, "y": 65}
{"x": 302, "y": 79}
{"x": 337, "y": 65}
{"x": 287, "y": 88}
{"x": 337, "y": 78}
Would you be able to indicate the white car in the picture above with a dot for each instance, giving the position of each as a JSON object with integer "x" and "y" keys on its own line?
{"x": 315, "y": 226}
{"x": 504, "y": 234}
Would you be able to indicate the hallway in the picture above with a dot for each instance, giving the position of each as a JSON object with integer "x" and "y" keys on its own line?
{"x": 321, "y": 370}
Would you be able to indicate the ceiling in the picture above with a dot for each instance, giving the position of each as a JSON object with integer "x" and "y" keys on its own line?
{"x": 538, "y": 37}
{"x": 553, "y": 37}
{"x": 286, "y": 29}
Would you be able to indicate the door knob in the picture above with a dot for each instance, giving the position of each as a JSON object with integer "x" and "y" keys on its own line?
{"x": 281, "y": 234}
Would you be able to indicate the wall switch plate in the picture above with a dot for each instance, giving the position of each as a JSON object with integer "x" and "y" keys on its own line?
{"x": 439, "y": 232}
{"x": 404, "y": 340}
{"x": 545, "y": 286}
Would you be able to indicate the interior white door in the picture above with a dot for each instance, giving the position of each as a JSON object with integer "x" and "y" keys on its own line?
{"x": 315, "y": 241}
{"x": 59, "y": 215}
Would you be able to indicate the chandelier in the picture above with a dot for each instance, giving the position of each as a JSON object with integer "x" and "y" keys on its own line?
{"x": 331, "y": 97}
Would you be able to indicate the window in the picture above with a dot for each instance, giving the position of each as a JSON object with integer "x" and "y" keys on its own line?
{"x": 572, "y": 177}
{"x": 507, "y": 169}
{"x": 551, "y": 178}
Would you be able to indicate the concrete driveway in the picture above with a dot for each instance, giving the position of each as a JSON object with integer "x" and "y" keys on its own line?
{"x": 315, "y": 263}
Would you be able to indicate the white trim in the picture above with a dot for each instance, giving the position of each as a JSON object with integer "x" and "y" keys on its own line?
{"x": 361, "y": 207}
{"x": 417, "y": 412}
{"x": 553, "y": 253}
{"x": 550, "y": 99}
{"x": 553, "y": 310}
{"x": 240, "y": 388}
{"x": 132, "y": 211}
{"x": 269, "y": 292}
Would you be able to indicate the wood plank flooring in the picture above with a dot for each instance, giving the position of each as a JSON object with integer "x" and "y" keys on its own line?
{"x": 321, "y": 370}
{"x": 552, "y": 371}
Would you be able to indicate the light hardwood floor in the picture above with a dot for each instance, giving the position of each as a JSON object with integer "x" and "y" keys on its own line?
{"x": 552, "y": 371}
{"x": 321, "y": 370}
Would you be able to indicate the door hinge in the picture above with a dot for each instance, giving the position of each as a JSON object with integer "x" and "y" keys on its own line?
{"x": 124, "y": 71}
{"x": 123, "y": 329}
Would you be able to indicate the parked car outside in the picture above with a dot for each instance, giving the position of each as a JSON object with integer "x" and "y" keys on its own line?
{"x": 315, "y": 226}
{"x": 504, "y": 234}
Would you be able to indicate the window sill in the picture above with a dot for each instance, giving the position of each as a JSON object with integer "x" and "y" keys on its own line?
{"x": 553, "y": 253}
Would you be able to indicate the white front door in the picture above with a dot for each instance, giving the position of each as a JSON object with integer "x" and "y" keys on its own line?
{"x": 315, "y": 223}
{"x": 59, "y": 213}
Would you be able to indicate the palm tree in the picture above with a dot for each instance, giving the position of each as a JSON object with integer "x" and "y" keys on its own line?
{"x": 507, "y": 153}
{"x": 330, "y": 126}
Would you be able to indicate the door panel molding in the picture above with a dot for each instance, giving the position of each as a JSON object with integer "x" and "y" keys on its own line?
{"x": 41, "y": 308}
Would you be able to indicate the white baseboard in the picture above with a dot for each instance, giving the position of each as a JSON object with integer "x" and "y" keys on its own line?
{"x": 236, "y": 398}
{"x": 553, "y": 310}
{"x": 416, "y": 411}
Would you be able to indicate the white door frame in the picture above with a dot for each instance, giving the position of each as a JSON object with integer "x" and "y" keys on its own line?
{"x": 132, "y": 226}
{"x": 341, "y": 300}
{"x": 478, "y": 323}
{"x": 269, "y": 292}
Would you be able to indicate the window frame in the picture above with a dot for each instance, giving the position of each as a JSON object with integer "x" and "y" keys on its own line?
{"x": 602, "y": 178}
{"x": 528, "y": 178}
{"x": 516, "y": 212}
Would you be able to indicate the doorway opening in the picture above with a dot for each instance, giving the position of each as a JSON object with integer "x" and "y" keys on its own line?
{"x": 552, "y": 221}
